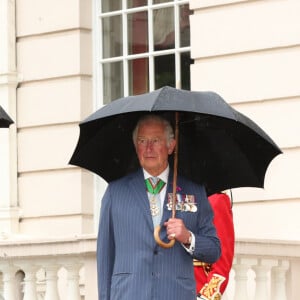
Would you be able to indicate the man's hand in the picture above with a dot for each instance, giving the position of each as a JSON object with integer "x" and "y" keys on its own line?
{"x": 177, "y": 230}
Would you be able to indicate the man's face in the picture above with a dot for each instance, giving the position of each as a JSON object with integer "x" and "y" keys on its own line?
{"x": 152, "y": 147}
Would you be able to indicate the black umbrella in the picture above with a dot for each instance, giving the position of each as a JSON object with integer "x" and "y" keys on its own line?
{"x": 5, "y": 119}
{"x": 218, "y": 146}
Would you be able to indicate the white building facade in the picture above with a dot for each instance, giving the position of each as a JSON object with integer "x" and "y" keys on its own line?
{"x": 58, "y": 64}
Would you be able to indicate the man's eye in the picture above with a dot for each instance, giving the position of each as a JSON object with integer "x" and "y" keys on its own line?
{"x": 141, "y": 141}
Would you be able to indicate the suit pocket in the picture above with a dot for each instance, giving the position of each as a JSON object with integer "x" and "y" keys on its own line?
{"x": 120, "y": 284}
{"x": 186, "y": 283}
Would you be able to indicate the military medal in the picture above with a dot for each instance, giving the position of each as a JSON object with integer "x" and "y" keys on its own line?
{"x": 154, "y": 207}
{"x": 184, "y": 202}
{"x": 154, "y": 186}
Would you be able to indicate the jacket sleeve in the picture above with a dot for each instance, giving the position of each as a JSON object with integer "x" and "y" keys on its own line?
{"x": 207, "y": 243}
{"x": 212, "y": 279}
{"x": 105, "y": 248}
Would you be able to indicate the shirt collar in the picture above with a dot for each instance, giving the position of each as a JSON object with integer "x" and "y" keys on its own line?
{"x": 163, "y": 176}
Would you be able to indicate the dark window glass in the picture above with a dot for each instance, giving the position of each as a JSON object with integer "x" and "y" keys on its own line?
{"x": 163, "y": 28}
{"x": 112, "y": 81}
{"x": 136, "y": 3}
{"x": 138, "y": 76}
{"x": 185, "y": 63}
{"x": 164, "y": 70}
{"x": 185, "y": 26}
{"x": 112, "y": 36}
{"x": 111, "y": 5}
{"x": 138, "y": 32}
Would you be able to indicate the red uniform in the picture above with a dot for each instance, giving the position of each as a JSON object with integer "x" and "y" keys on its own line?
{"x": 212, "y": 279}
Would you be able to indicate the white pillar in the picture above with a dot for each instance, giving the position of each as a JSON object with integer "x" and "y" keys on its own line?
{"x": 9, "y": 211}
{"x": 30, "y": 292}
{"x": 9, "y": 283}
{"x": 51, "y": 282}
{"x": 261, "y": 280}
{"x": 90, "y": 277}
{"x": 279, "y": 281}
{"x": 241, "y": 280}
{"x": 73, "y": 280}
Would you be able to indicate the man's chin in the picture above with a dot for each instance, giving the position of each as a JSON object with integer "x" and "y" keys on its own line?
{"x": 150, "y": 162}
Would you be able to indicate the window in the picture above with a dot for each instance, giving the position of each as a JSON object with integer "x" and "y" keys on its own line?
{"x": 140, "y": 45}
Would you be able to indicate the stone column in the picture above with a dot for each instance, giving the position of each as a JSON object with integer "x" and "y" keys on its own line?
{"x": 73, "y": 268}
{"x": 261, "y": 280}
{"x": 9, "y": 282}
{"x": 241, "y": 280}
{"x": 279, "y": 281}
{"x": 30, "y": 281}
{"x": 9, "y": 211}
{"x": 51, "y": 282}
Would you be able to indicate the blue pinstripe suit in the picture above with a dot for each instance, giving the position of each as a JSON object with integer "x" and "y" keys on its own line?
{"x": 130, "y": 264}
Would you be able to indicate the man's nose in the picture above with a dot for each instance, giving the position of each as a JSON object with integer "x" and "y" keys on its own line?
{"x": 149, "y": 145}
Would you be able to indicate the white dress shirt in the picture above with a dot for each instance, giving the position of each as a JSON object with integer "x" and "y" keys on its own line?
{"x": 164, "y": 176}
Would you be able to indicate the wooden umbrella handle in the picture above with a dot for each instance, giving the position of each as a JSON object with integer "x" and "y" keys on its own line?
{"x": 157, "y": 228}
{"x": 162, "y": 244}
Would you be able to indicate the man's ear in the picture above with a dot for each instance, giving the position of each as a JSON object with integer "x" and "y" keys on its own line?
{"x": 171, "y": 146}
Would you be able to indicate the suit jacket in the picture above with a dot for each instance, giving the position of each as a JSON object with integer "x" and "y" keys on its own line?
{"x": 131, "y": 266}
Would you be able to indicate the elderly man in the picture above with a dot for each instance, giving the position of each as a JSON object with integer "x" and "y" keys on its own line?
{"x": 131, "y": 266}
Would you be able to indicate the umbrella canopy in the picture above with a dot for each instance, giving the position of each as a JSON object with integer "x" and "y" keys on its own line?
{"x": 218, "y": 146}
{"x": 5, "y": 120}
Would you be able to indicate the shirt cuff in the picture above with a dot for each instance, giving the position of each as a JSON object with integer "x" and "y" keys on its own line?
{"x": 191, "y": 248}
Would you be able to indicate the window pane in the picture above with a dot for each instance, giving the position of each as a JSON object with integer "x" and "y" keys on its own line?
{"x": 138, "y": 32}
{"x": 108, "y": 6}
{"x": 137, "y": 41}
{"x": 112, "y": 81}
{"x": 185, "y": 25}
{"x": 186, "y": 61}
{"x": 164, "y": 70}
{"x": 160, "y": 1}
{"x": 136, "y": 3}
{"x": 163, "y": 31}
{"x": 112, "y": 36}
{"x": 138, "y": 76}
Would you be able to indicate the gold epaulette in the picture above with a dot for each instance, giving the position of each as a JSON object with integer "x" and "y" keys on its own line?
{"x": 199, "y": 263}
{"x": 206, "y": 266}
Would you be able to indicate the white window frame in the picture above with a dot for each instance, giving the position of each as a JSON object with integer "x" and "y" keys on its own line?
{"x": 126, "y": 58}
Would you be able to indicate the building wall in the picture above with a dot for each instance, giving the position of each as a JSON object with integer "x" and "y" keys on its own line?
{"x": 248, "y": 52}
{"x": 54, "y": 63}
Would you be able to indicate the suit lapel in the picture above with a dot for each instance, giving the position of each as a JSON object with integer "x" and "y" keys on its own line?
{"x": 138, "y": 188}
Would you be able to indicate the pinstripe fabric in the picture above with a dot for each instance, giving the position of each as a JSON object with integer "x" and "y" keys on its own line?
{"x": 130, "y": 264}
